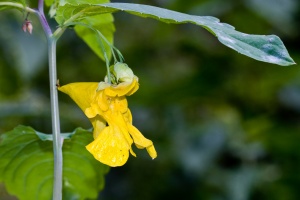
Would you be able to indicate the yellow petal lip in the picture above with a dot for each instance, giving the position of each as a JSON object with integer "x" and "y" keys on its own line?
{"x": 109, "y": 149}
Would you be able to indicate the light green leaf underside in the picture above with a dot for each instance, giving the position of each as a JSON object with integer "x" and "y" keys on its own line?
{"x": 26, "y": 166}
{"x": 266, "y": 48}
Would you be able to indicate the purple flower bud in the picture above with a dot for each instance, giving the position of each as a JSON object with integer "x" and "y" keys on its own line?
{"x": 27, "y": 26}
{"x": 24, "y": 27}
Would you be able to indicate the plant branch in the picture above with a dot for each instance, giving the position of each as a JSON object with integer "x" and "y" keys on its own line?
{"x": 18, "y": 5}
{"x": 43, "y": 19}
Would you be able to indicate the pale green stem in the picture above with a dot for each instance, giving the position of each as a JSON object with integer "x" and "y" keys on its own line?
{"x": 18, "y": 5}
{"x": 57, "y": 139}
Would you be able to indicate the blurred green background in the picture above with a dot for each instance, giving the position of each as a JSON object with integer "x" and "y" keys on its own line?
{"x": 225, "y": 127}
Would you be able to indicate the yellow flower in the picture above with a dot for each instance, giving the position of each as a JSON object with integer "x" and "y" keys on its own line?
{"x": 108, "y": 103}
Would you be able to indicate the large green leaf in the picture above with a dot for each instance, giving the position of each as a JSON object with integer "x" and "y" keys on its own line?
{"x": 102, "y": 23}
{"x": 267, "y": 48}
{"x": 26, "y": 166}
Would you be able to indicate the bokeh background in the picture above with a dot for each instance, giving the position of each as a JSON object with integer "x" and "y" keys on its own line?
{"x": 225, "y": 127}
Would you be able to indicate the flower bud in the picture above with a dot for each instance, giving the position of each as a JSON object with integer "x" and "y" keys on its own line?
{"x": 27, "y": 26}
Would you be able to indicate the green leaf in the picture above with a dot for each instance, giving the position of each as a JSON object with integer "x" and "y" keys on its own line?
{"x": 49, "y": 2}
{"x": 13, "y": 4}
{"x": 103, "y": 23}
{"x": 266, "y": 48}
{"x": 26, "y": 166}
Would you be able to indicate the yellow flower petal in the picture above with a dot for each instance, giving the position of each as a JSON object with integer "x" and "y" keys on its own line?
{"x": 110, "y": 147}
{"x": 138, "y": 138}
{"x": 151, "y": 151}
{"x": 98, "y": 124}
{"x": 119, "y": 105}
{"x": 142, "y": 142}
{"x": 92, "y": 111}
{"x": 102, "y": 101}
{"x": 117, "y": 120}
{"x": 135, "y": 88}
{"x": 127, "y": 117}
{"x": 82, "y": 93}
{"x": 132, "y": 153}
{"x": 122, "y": 89}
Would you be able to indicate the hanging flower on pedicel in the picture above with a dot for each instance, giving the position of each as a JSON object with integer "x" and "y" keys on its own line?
{"x": 105, "y": 103}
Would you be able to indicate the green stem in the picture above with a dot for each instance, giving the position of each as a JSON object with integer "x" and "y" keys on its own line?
{"x": 18, "y": 5}
{"x": 57, "y": 140}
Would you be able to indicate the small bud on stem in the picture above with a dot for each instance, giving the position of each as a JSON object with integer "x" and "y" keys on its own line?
{"x": 27, "y": 26}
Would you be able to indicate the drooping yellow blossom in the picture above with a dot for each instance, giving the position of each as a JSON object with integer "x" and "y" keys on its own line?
{"x": 112, "y": 143}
